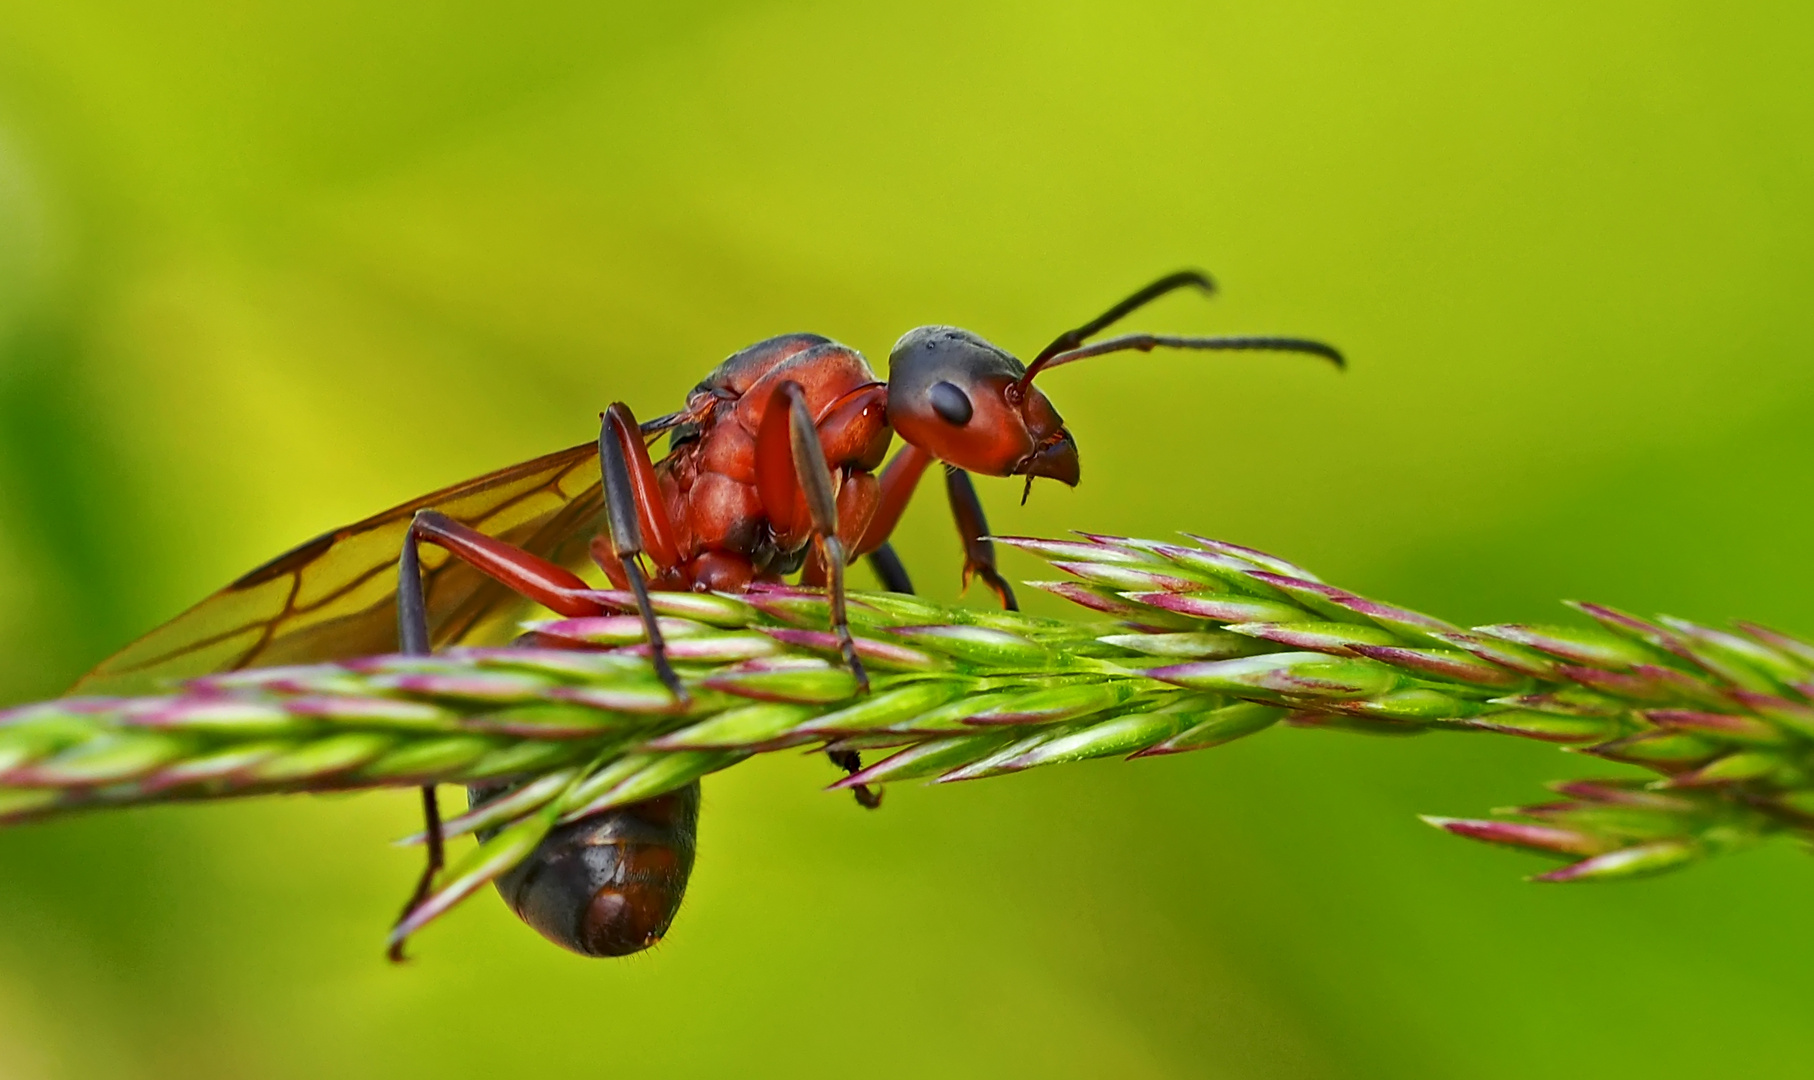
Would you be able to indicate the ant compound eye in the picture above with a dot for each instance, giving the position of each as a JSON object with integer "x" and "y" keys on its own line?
{"x": 951, "y": 403}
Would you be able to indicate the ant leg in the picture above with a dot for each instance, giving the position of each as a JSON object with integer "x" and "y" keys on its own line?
{"x": 899, "y": 477}
{"x": 792, "y": 474}
{"x": 851, "y": 761}
{"x": 814, "y": 477}
{"x": 795, "y": 471}
{"x": 888, "y": 568}
{"x": 437, "y": 856}
{"x": 550, "y": 585}
{"x": 973, "y": 530}
{"x": 631, "y": 497}
{"x": 412, "y": 638}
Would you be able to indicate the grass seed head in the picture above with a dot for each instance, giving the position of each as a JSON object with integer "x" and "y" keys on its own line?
{"x": 1185, "y": 646}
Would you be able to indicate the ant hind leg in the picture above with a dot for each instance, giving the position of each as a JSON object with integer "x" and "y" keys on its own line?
{"x": 526, "y": 573}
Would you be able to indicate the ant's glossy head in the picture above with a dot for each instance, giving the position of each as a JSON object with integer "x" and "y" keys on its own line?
{"x": 972, "y": 405}
{"x": 968, "y": 403}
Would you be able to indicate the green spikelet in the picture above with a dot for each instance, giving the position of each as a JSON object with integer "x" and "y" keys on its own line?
{"x": 1188, "y": 646}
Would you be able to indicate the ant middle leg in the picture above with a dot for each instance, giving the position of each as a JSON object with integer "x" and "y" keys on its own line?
{"x": 889, "y": 569}
{"x": 791, "y": 468}
{"x": 851, "y": 761}
{"x": 811, "y": 479}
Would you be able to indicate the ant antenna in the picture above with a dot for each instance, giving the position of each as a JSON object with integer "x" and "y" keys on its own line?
{"x": 1238, "y": 342}
{"x": 1069, "y": 346}
{"x": 1070, "y": 339}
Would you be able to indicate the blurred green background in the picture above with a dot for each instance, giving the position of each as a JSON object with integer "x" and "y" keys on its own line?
{"x": 266, "y": 268}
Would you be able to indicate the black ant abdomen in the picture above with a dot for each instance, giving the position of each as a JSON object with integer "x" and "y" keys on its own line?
{"x": 608, "y": 885}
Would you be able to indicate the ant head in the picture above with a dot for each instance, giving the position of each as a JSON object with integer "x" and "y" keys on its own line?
{"x": 970, "y": 404}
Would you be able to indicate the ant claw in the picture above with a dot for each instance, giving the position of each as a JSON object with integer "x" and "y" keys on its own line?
{"x": 851, "y": 761}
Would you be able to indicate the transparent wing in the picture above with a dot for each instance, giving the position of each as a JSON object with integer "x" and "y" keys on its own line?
{"x": 336, "y": 596}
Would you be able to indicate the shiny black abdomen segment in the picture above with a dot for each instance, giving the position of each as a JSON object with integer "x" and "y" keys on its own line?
{"x": 611, "y": 884}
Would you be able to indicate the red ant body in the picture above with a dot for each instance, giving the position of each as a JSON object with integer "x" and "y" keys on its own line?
{"x": 772, "y": 468}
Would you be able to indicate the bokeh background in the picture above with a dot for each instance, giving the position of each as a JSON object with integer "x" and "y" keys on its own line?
{"x": 266, "y": 268}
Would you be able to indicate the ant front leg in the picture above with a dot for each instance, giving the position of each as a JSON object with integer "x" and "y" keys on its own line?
{"x": 899, "y": 478}
{"x": 548, "y": 584}
{"x": 973, "y": 530}
{"x": 632, "y": 501}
